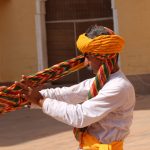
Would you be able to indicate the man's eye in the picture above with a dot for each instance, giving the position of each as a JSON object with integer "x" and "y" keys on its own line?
{"x": 85, "y": 54}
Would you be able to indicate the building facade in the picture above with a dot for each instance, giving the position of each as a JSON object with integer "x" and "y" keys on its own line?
{"x": 28, "y": 39}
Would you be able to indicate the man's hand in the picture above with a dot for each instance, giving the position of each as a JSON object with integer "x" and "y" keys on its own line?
{"x": 2, "y": 88}
{"x": 30, "y": 93}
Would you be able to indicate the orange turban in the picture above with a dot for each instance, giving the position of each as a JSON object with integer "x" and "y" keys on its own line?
{"x": 103, "y": 44}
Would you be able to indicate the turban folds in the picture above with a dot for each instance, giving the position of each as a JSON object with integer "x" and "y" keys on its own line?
{"x": 103, "y": 44}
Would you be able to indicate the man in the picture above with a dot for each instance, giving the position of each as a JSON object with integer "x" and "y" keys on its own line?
{"x": 100, "y": 109}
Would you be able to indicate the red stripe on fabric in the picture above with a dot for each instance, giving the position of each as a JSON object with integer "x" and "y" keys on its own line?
{"x": 95, "y": 90}
{"x": 102, "y": 76}
{"x": 7, "y": 101}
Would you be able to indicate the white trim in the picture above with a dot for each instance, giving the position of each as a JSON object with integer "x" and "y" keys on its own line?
{"x": 41, "y": 34}
{"x": 115, "y": 22}
{"x": 76, "y": 51}
{"x": 115, "y": 16}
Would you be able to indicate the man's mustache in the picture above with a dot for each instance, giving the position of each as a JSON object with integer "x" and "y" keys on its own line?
{"x": 89, "y": 68}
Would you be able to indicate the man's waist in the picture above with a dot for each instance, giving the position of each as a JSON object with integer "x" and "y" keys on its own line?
{"x": 108, "y": 135}
{"x": 89, "y": 142}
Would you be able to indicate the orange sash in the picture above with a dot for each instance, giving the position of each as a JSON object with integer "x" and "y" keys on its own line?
{"x": 91, "y": 143}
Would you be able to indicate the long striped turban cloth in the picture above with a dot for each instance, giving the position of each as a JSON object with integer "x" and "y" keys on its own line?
{"x": 10, "y": 98}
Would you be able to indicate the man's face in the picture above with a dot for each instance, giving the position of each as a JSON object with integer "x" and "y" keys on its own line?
{"x": 93, "y": 62}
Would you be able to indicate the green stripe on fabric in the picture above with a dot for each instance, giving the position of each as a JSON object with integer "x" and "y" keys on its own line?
{"x": 106, "y": 71}
{"x": 98, "y": 86}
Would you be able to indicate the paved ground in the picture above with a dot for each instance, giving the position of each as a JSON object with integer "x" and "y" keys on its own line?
{"x": 32, "y": 130}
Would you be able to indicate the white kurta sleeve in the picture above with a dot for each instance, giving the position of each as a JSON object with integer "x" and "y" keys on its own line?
{"x": 73, "y": 95}
{"x": 91, "y": 111}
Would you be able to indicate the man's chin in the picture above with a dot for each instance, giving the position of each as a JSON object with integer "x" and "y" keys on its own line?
{"x": 90, "y": 69}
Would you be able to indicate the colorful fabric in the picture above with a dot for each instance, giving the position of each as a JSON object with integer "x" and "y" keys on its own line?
{"x": 10, "y": 98}
{"x": 91, "y": 143}
{"x": 103, "y": 44}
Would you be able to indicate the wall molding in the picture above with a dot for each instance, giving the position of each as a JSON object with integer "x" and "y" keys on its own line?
{"x": 115, "y": 22}
{"x": 115, "y": 16}
{"x": 41, "y": 34}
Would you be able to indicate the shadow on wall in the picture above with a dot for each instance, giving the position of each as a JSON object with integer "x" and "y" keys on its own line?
{"x": 26, "y": 125}
{"x": 141, "y": 84}
{"x": 142, "y": 102}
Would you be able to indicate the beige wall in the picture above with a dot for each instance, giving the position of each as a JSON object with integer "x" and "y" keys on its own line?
{"x": 18, "y": 54}
{"x": 134, "y": 26}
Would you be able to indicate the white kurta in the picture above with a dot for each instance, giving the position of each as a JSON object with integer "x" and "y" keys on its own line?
{"x": 108, "y": 115}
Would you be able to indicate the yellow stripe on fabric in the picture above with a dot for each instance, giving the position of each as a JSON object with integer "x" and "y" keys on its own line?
{"x": 98, "y": 147}
{"x": 80, "y": 66}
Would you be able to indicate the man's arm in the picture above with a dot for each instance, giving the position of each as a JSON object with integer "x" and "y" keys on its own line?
{"x": 74, "y": 94}
{"x": 79, "y": 115}
{"x": 84, "y": 114}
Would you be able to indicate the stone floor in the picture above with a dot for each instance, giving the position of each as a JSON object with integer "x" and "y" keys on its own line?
{"x": 32, "y": 130}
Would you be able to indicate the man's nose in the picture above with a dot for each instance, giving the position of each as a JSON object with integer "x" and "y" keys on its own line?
{"x": 86, "y": 62}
